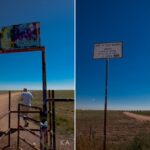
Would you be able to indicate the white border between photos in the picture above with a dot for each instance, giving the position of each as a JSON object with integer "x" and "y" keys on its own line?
{"x": 74, "y": 74}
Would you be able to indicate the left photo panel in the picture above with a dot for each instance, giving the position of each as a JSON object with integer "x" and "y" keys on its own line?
{"x": 37, "y": 75}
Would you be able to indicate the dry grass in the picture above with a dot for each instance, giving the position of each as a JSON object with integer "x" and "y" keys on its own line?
{"x": 64, "y": 111}
{"x": 122, "y": 132}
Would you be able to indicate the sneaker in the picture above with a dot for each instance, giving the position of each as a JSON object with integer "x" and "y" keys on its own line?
{"x": 26, "y": 124}
{"x": 1, "y": 133}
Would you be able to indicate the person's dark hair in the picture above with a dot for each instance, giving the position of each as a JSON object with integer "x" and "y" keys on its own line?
{"x": 25, "y": 90}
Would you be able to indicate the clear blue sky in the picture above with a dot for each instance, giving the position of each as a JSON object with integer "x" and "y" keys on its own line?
{"x": 57, "y": 35}
{"x": 129, "y": 77}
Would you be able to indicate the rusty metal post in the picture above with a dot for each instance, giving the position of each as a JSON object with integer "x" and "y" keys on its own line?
{"x": 45, "y": 130}
{"x": 18, "y": 136}
{"x": 9, "y": 117}
{"x": 50, "y": 120}
{"x": 44, "y": 82}
{"x": 53, "y": 120}
{"x": 105, "y": 111}
{"x": 41, "y": 139}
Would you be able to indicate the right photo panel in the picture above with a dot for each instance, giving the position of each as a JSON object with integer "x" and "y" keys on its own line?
{"x": 112, "y": 75}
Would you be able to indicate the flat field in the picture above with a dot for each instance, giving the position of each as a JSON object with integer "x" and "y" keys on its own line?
{"x": 123, "y": 132}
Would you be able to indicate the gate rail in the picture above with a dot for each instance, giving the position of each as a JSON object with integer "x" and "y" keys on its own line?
{"x": 51, "y": 100}
{"x": 28, "y": 130}
{"x": 52, "y": 117}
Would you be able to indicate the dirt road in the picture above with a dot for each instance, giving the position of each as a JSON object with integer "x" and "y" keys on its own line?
{"x": 4, "y": 108}
{"x": 137, "y": 117}
{"x": 61, "y": 139}
{"x": 4, "y": 122}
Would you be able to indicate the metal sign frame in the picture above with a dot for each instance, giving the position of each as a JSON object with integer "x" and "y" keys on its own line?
{"x": 45, "y": 113}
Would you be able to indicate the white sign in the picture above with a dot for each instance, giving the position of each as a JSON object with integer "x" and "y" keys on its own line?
{"x": 108, "y": 50}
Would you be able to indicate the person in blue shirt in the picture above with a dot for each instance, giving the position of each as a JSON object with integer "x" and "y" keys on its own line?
{"x": 26, "y": 100}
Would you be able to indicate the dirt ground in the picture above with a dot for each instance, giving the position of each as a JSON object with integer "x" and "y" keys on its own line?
{"x": 4, "y": 109}
{"x": 121, "y": 129}
{"x": 137, "y": 117}
{"x": 4, "y": 122}
{"x": 63, "y": 143}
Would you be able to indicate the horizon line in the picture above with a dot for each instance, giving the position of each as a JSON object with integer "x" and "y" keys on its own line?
{"x": 37, "y": 89}
{"x": 113, "y": 109}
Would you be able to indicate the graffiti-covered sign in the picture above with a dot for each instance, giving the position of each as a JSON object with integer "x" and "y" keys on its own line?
{"x": 20, "y": 36}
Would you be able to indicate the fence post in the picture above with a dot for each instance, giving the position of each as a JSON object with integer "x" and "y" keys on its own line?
{"x": 53, "y": 120}
{"x": 18, "y": 141}
{"x": 50, "y": 121}
{"x": 9, "y": 117}
{"x": 41, "y": 139}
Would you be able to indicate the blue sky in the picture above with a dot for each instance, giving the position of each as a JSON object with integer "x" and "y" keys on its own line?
{"x": 129, "y": 77}
{"x": 57, "y": 35}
